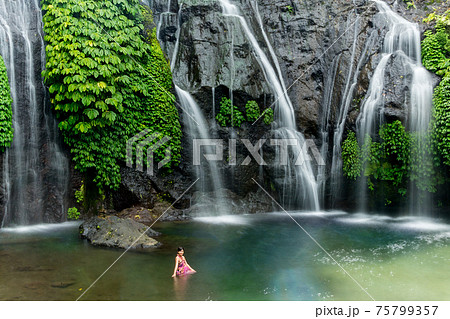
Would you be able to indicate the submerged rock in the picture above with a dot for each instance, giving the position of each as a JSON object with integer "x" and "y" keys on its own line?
{"x": 116, "y": 232}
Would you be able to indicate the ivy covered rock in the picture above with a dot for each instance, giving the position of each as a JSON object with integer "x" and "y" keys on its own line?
{"x": 108, "y": 81}
{"x": 351, "y": 154}
{"x": 6, "y": 129}
{"x": 436, "y": 58}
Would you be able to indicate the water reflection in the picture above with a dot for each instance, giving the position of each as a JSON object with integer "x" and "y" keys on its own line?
{"x": 181, "y": 287}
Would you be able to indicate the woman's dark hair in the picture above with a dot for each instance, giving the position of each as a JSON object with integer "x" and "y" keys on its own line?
{"x": 180, "y": 249}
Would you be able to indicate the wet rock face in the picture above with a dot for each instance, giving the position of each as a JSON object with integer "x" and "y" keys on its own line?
{"x": 327, "y": 52}
{"x": 141, "y": 189}
{"x": 306, "y": 36}
{"x": 322, "y": 48}
{"x": 208, "y": 203}
{"x": 397, "y": 81}
{"x": 212, "y": 50}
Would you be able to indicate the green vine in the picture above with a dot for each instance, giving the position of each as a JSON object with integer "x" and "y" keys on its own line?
{"x": 162, "y": 113}
{"x": 436, "y": 58}
{"x": 108, "y": 81}
{"x": 252, "y": 111}
{"x": 6, "y": 129}
{"x": 351, "y": 155}
{"x": 389, "y": 160}
{"x": 229, "y": 115}
{"x": 410, "y": 4}
{"x": 268, "y": 116}
{"x": 73, "y": 213}
{"x": 425, "y": 173}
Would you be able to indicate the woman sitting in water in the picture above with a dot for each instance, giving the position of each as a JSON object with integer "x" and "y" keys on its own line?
{"x": 181, "y": 265}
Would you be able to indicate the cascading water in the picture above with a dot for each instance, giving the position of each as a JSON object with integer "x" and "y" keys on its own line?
{"x": 207, "y": 171}
{"x": 34, "y": 169}
{"x": 402, "y": 39}
{"x": 352, "y": 80}
{"x": 164, "y": 18}
{"x": 299, "y": 183}
{"x": 210, "y": 179}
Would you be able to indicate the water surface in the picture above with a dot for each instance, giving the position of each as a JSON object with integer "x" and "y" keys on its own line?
{"x": 245, "y": 257}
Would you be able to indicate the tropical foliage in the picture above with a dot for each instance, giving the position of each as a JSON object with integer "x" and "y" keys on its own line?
{"x": 252, "y": 111}
{"x": 351, "y": 155}
{"x": 6, "y": 129}
{"x": 229, "y": 115}
{"x": 436, "y": 58}
{"x": 268, "y": 116}
{"x": 108, "y": 80}
{"x": 398, "y": 157}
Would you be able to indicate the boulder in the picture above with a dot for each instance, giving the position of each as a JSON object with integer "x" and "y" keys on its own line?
{"x": 116, "y": 232}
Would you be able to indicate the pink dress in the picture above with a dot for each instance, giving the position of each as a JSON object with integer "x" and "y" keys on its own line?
{"x": 183, "y": 269}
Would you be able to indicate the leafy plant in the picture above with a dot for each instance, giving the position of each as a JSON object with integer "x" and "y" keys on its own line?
{"x": 108, "y": 80}
{"x": 79, "y": 194}
{"x": 229, "y": 115}
{"x": 394, "y": 153}
{"x": 411, "y": 4}
{"x": 73, "y": 213}
{"x": 6, "y": 129}
{"x": 389, "y": 161}
{"x": 268, "y": 116}
{"x": 436, "y": 58}
{"x": 252, "y": 111}
{"x": 351, "y": 155}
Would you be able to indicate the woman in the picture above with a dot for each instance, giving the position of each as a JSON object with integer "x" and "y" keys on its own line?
{"x": 181, "y": 265}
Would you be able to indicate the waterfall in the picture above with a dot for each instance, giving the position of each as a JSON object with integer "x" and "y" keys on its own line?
{"x": 421, "y": 99}
{"x": 371, "y": 115}
{"x": 177, "y": 43}
{"x": 198, "y": 129}
{"x": 402, "y": 39}
{"x": 34, "y": 169}
{"x": 336, "y": 165}
{"x": 162, "y": 18}
{"x": 299, "y": 183}
{"x": 330, "y": 80}
{"x": 210, "y": 179}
